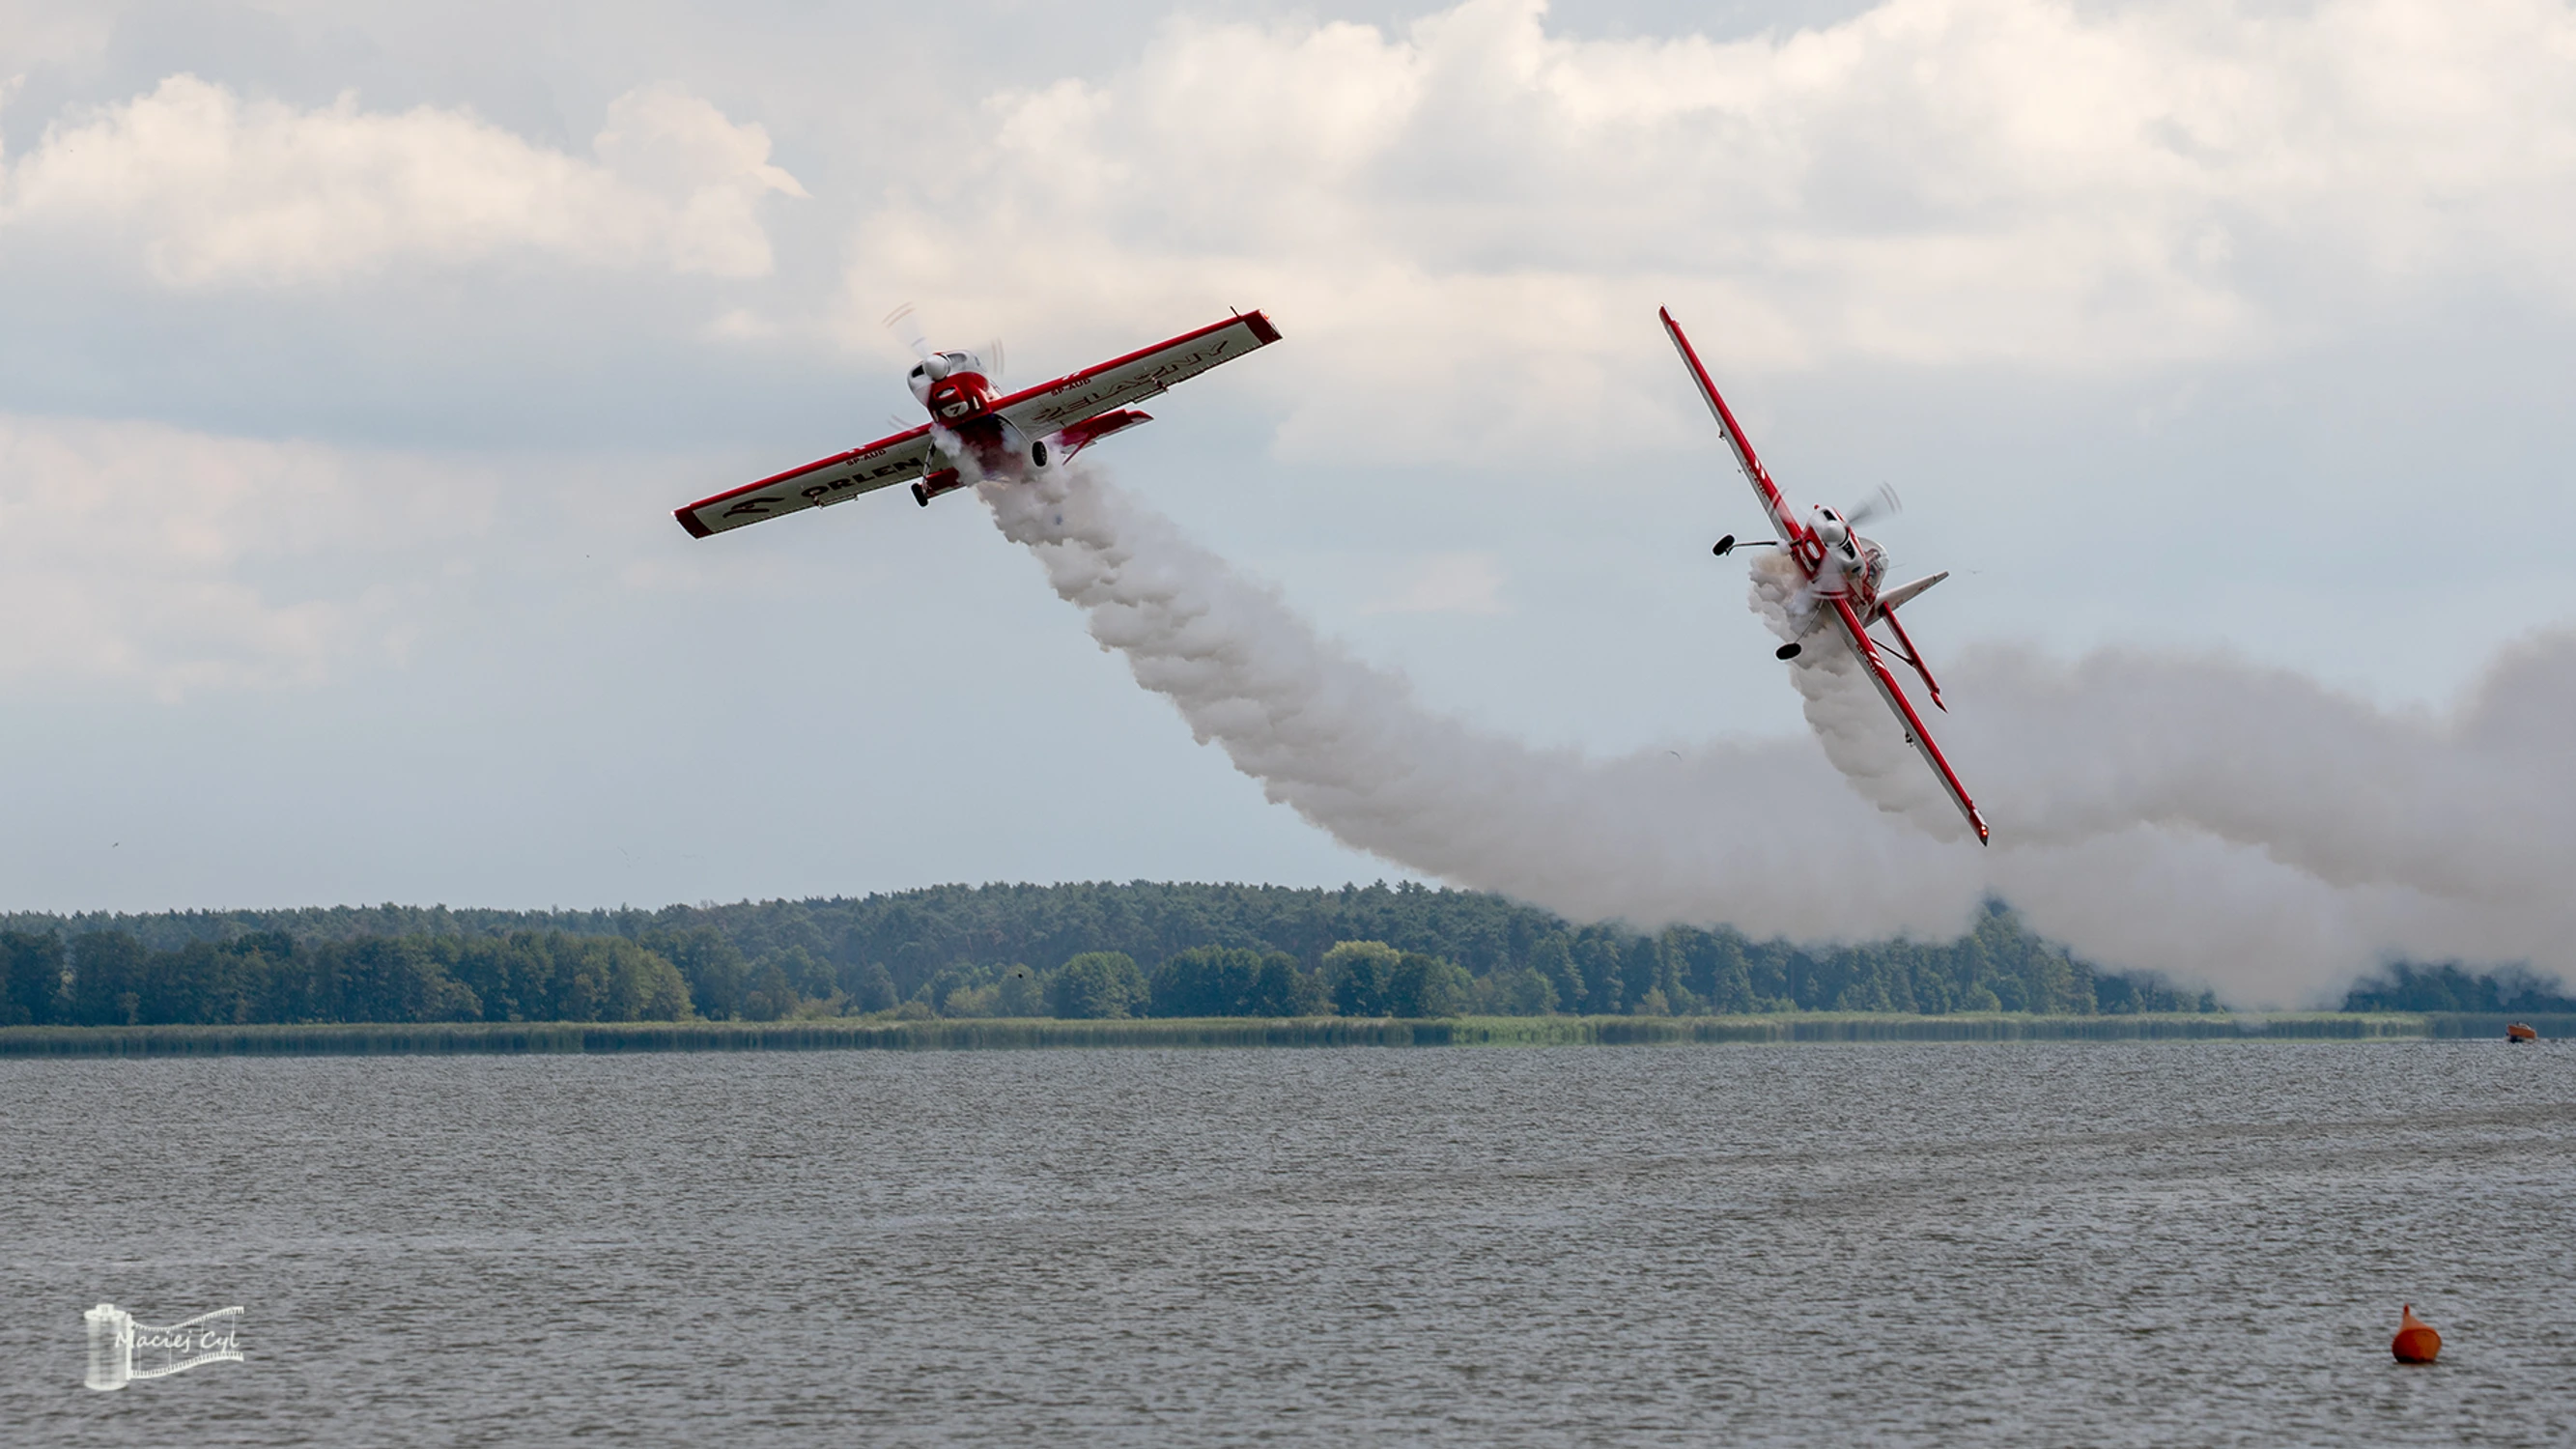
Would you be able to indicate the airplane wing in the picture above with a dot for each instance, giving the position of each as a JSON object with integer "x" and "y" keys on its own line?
{"x": 1787, "y": 525}
{"x": 1125, "y": 381}
{"x": 1915, "y": 734}
{"x": 819, "y": 484}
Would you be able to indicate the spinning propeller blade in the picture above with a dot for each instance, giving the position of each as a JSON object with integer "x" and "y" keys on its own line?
{"x": 1881, "y": 504}
{"x": 904, "y": 325}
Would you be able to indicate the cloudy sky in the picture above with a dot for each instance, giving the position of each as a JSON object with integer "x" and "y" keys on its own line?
{"x": 355, "y": 356}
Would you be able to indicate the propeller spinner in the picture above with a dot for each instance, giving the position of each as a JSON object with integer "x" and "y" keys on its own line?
{"x": 905, "y": 324}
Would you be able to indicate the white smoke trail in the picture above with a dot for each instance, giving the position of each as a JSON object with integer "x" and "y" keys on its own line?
{"x": 2220, "y": 823}
{"x": 2362, "y": 833}
{"x": 1843, "y": 707}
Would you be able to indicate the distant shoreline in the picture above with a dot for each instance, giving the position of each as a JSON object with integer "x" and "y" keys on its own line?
{"x": 992, "y": 1034}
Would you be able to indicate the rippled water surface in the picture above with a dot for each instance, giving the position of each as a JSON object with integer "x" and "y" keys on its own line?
{"x": 2008, "y": 1243}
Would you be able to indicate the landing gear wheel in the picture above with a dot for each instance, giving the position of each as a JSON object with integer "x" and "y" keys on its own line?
{"x": 1785, "y": 651}
{"x": 1724, "y": 546}
{"x": 921, "y": 495}
{"x": 1037, "y": 452}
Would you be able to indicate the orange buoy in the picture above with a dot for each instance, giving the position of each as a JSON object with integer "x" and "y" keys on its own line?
{"x": 2416, "y": 1342}
{"x": 2516, "y": 1031}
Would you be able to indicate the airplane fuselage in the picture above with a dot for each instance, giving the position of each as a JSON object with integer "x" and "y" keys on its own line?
{"x": 1839, "y": 562}
{"x": 968, "y": 440}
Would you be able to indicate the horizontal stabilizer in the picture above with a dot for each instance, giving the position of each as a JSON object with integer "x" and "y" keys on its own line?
{"x": 1083, "y": 434}
{"x": 1905, "y": 593}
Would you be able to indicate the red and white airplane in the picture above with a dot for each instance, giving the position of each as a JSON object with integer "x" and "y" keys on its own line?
{"x": 1844, "y": 576}
{"x": 976, "y": 432}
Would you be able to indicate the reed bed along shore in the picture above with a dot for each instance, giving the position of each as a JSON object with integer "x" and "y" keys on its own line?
{"x": 505, "y": 1038}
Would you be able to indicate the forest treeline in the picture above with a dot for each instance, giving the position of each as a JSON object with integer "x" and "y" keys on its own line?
{"x": 109, "y": 978}
{"x": 1082, "y": 950}
{"x": 2509, "y": 992}
{"x": 1068, "y": 950}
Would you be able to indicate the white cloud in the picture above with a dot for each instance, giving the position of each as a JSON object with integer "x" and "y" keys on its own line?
{"x": 213, "y": 189}
{"x": 137, "y": 553}
{"x": 1448, "y": 583}
{"x": 1466, "y": 225}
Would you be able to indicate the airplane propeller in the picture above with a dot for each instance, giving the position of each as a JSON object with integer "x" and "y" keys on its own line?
{"x": 907, "y": 327}
{"x": 1882, "y": 504}
{"x": 905, "y": 324}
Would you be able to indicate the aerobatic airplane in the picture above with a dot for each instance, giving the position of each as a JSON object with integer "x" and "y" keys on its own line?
{"x": 1844, "y": 576}
{"x": 976, "y": 432}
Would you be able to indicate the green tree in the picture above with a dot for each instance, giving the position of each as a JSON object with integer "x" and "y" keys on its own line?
{"x": 770, "y": 997}
{"x": 642, "y": 986}
{"x": 1641, "y": 969}
{"x": 109, "y": 979}
{"x": 808, "y": 975}
{"x": 960, "y": 988}
{"x": 1552, "y": 956}
{"x": 1672, "y": 966}
{"x": 395, "y": 978}
{"x": 1097, "y": 986}
{"x": 31, "y": 976}
{"x": 1428, "y": 986}
{"x": 525, "y": 976}
{"x": 1206, "y": 981}
{"x": 710, "y": 964}
{"x": 2025, "y": 972}
{"x": 1711, "y": 964}
{"x": 1020, "y": 992}
{"x": 1596, "y": 955}
{"x": 512, "y": 976}
{"x": 1361, "y": 976}
{"x": 869, "y": 987}
{"x": 1284, "y": 990}
{"x": 984, "y": 1000}
{"x": 1515, "y": 991}
{"x": 196, "y": 983}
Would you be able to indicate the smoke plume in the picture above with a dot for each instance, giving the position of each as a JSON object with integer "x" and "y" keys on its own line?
{"x": 2226, "y": 824}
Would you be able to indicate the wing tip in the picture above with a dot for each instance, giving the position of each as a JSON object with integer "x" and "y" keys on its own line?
{"x": 1263, "y": 329}
{"x": 689, "y": 520}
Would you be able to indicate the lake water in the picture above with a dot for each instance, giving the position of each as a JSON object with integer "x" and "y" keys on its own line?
{"x": 2150, "y": 1243}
